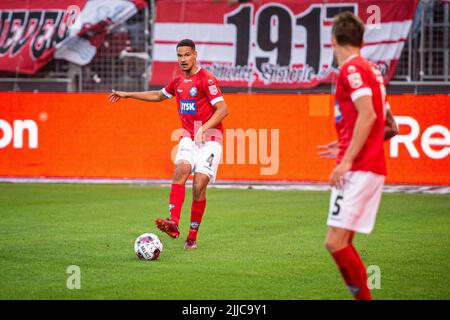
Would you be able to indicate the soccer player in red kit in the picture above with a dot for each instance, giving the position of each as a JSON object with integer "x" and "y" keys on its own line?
{"x": 201, "y": 109}
{"x": 363, "y": 123}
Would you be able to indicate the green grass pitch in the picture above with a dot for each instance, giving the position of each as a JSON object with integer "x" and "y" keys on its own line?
{"x": 253, "y": 244}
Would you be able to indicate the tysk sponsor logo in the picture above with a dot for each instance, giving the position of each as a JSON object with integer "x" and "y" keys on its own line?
{"x": 188, "y": 107}
{"x": 16, "y": 132}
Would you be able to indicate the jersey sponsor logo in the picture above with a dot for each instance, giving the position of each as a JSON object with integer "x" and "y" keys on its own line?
{"x": 193, "y": 92}
{"x": 188, "y": 107}
{"x": 213, "y": 90}
{"x": 355, "y": 80}
{"x": 337, "y": 113}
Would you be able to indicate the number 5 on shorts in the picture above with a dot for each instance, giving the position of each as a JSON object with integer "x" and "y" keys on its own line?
{"x": 337, "y": 205}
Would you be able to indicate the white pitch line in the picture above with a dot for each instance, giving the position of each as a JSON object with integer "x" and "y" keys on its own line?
{"x": 224, "y": 184}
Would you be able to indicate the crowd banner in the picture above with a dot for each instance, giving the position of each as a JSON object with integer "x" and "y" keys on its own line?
{"x": 266, "y": 44}
{"x": 32, "y": 33}
{"x": 81, "y": 135}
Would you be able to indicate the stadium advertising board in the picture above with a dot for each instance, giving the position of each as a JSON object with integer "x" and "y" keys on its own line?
{"x": 282, "y": 44}
{"x": 84, "y": 136}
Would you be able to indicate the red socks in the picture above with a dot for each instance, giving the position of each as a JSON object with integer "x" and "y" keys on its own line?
{"x": 353, "y": 271}
{"x": 197, "y": 210}
{"x": 176, "y": 200}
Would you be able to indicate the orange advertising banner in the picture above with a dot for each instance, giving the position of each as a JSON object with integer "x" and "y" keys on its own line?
{"x": 267, "y": 137}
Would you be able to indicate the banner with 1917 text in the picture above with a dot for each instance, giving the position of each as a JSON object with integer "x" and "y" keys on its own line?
{"x": 267, "y": 44}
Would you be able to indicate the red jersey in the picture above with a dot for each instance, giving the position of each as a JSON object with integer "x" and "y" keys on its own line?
{"x": 196, "y": 97}
{"x": 358, "y": 77}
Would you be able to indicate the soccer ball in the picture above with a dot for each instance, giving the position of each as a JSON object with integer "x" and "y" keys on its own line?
{"x": 148, "y": 246}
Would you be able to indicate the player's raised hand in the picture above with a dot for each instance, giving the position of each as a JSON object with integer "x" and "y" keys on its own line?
{"x": 117, "y": 95}
{"x": 328, "y": 151}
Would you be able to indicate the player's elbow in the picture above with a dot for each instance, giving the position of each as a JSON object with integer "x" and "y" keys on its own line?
{"x": 224, "y": 111}
{"x": 160, "y": 97}
{"x": 370, "y": 117}
{"x": 390, "y": 132}
{"x": 394, "y": 128}
{"x": 393, "y": 131}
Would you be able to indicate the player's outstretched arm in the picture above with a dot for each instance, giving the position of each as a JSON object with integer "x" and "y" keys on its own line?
{"x": 150, "y": 96}
{"x": 390, "y": 128}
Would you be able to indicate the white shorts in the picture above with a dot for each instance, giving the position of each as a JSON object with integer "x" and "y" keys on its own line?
{"x": 204, "y": 158}
{"x": 354, "y": 207}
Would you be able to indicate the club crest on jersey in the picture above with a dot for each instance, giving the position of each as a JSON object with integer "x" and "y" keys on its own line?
{"x": 351, "y": 68}
{"x": 193, "y": 92}
{"x": 188, "y": 107}
{"x": 213, "y": 90}
{"x": 337, "y": 113}
{"x": 355, "y": 80}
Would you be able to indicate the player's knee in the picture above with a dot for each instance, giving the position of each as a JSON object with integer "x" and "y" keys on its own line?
{"x": 328, "y": 245}
{"x": 332, "y": 245}
{"x": 198, "y": 191}
{"x": 182, "y": 172}
{"x": 180, "y": 178}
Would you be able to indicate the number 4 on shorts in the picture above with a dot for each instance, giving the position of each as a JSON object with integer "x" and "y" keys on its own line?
{"x": 210, "y": 159}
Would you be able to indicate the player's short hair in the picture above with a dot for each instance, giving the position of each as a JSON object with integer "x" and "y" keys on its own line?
{"x": 186, "y": 43}
{"x": 348, "y": 29}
